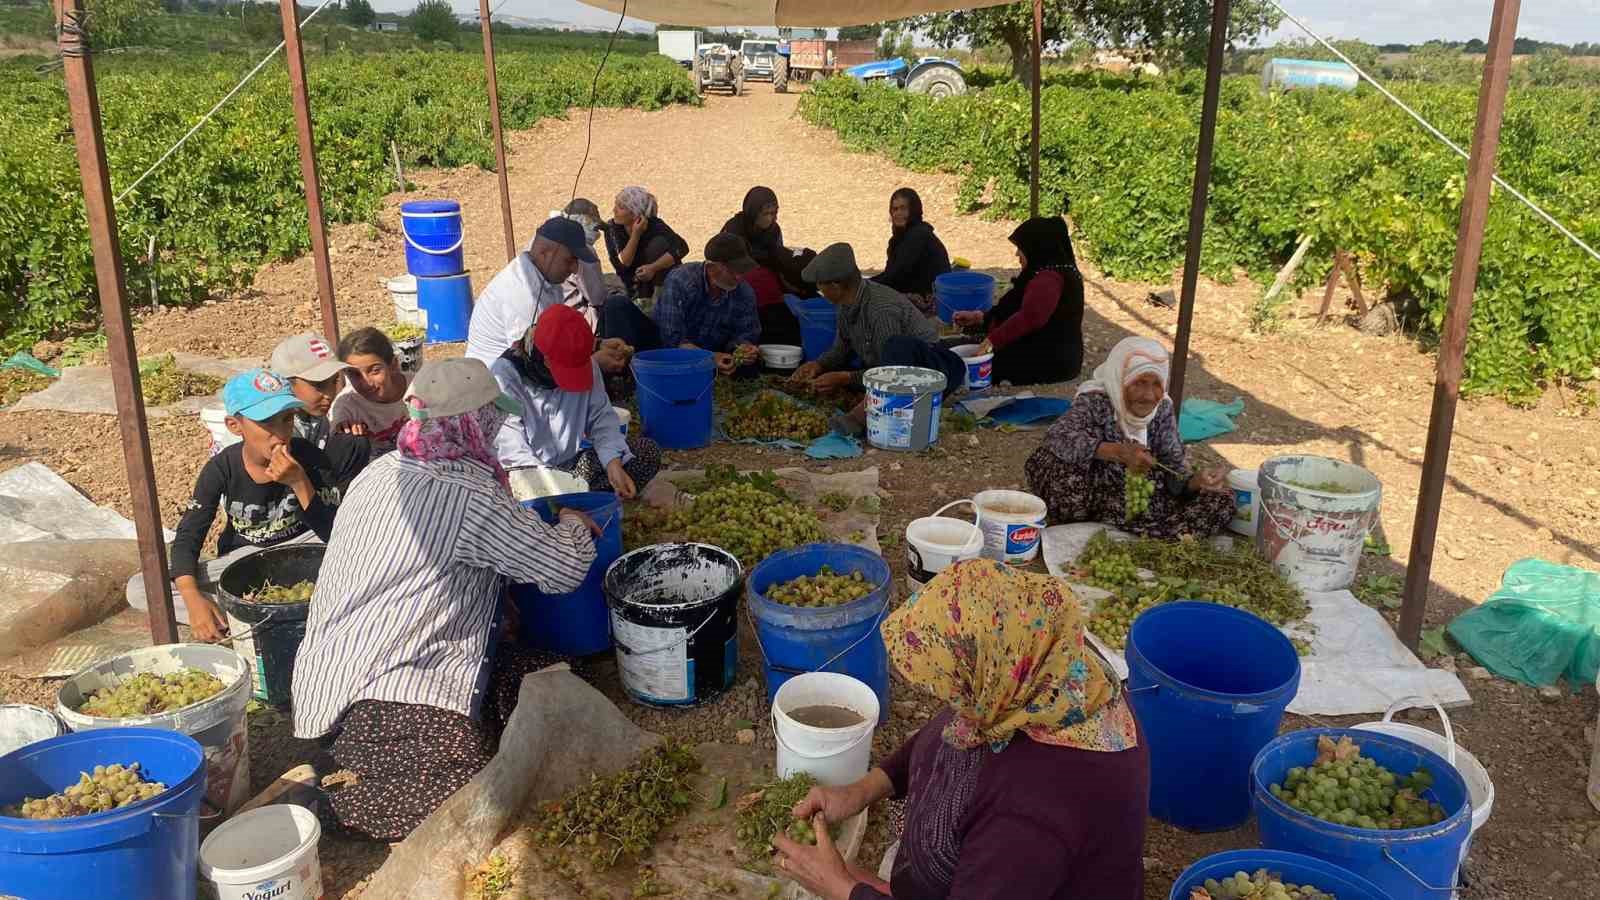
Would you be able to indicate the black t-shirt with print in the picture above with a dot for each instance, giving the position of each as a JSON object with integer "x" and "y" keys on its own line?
{"x": 265, "y": 514}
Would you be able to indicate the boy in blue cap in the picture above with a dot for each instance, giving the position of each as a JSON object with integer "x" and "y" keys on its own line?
{"x": 276, "y": 487}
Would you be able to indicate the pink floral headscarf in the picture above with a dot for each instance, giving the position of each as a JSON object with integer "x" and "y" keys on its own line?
{"x": 469, "y": 435}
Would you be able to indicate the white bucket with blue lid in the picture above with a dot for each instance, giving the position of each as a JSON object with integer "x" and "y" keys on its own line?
{"x": 903, "y": 406}
{"x": 980, "y": 366}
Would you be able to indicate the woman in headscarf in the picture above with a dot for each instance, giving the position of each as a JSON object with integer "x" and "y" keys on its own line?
{"x": 778, "y": 268}
{"x": 916, "y": 255}
{"x": 643, "y": 249}
{"x": 1122, "y": 423}
{"x": 1033, "y": 781}
{"x": 401, "y": 660}
{"x": 1036, "y": 328}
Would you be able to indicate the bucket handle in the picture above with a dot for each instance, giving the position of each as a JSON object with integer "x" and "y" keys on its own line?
{"x": 1449, "y": 731}
{"x": 1389, "y": 855}
{"x": 977, "y": 520}
{"x": 689, "y": 402}
{"x": 249, "y": 632}
{"x": 866, "y": 734}
{"x": 421, "y": 249}
{"x": 1240, "y": 709}
{"x": 197, "y": 814}
{"x": 672, "y": 646}
{"x": 882, "y": 611}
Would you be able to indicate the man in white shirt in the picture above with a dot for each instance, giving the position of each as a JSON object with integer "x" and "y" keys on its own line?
{"x": 529, "y": 284}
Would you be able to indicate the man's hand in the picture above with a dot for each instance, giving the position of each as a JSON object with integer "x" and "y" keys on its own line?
{"x": 644, "y": 273}
{"x": 611, "y": 358}
{"x": 725, "y": 363}
{"x": 967, "y": 318}
{"x": 807, "y": 372}
{"x": 745, "y": 354}
{"x": 621, "y": 481}
{"x": 284, "y": 469}
{"x": 831, "y": 382}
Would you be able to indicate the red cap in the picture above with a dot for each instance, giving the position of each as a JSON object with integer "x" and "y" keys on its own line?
{"x": 564, "y": 337}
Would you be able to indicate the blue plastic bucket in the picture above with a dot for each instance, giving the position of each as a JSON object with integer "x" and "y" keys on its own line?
{"x": 675, "y": 396}
{"x": 446, "y": 304}
{"x": 962, "y": 290}
{"x": 844, "y": 639}
{"x": 145, "y": 851}
{"x": 819, "y": 324}
{"x": 1293, "y": 868}
{"x": 1209, "y": 684}
{"x": 1407, "y": 864}
{"x": 433, "y": 236}
{"x": 576, "y": 623}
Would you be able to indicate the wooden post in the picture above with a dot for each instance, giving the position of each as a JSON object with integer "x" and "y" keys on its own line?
{"x": 84, "y": 104}
{"x": 1198, "y": 199}
{"x": 1458, "y": 315}
{"x": 292, "y": 52}
{"x": 499, "y": 137}
{"x": 1038, "y": 69}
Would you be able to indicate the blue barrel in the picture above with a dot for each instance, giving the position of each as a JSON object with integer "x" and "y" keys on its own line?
{"x": 962, "y": 290}
{"x": 1209, "y": 684}
{"x": 819, "y": 324}
{"x": 675, "y": 396}
{"x": 1292, "y": 868}
{"x": 576, "y": 623}
{"x": 446, "y": 304}
{"x": 433, "y": 236}
{"x": 845, "y": 639}
{"x": 145, "y": 851}
{"x": 1406, "y": 864}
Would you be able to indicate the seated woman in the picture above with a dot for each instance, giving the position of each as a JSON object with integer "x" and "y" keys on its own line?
{"x": 778, "y": 269}
{"x": 643, "y": 249}
{"x": 1034, "y": 782}
{"x": 553, "y": 377}
{"x": 1036, "y": 330}
{"x": 916, "y": 255}
{"x": 400, "y": 656}
{"x": 1122, "y": 421}
{"x": 371, "y": 405}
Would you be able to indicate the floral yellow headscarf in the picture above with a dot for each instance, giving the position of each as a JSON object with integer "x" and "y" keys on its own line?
{"x": 1005, "y": 650}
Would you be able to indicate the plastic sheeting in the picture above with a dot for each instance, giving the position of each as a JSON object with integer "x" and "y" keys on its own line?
{"x": 809, "y": 13}
{"x": 1543, "y": 623}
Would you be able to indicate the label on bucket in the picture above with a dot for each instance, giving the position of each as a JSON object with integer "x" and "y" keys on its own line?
{"x": 304, "y": 883}
{"x": 1244, "y": 505}
{"x": 892, "y": 418}
{"x": 1021, "y": 540}
{"x": 656, "y": 664}
{"x": 246, "y": 647}
{"x": 979, "y": 375}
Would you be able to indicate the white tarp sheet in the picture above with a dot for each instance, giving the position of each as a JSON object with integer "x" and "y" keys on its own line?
{"x": 36, "y": 504}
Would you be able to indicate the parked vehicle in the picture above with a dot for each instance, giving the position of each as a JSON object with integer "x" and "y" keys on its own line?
{"x": 810, "y": 59}
{"x": 718, "y": 66}
{"x": 681, "y": 46}
{"x": 760, "y": 59}
{"x": 930, "y": 75}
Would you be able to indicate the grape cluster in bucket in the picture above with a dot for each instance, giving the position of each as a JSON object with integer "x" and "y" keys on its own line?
{"x": 102, "y": 790}
{"x": 147, "y": 694}
{"x": 1260, "y": 885}
{"x": 1346, "y": 788}
{"x": 826, "y": 588}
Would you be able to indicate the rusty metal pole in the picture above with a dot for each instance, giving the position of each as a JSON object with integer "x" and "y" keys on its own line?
{"x": 1197, "y": 200}
{"x": 108, "y": 273}
{"x": 1038, "y": 54}
{"x": 499, "y": 138}
{"x": 1458, "y": 315}
{"x": 308, "y": 167}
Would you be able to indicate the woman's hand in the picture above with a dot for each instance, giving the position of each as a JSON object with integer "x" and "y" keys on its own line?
{"x": 1209, "y": 480}
{"x": 967, "y": 318}
{"x": 820, "y": 869}
{"x": 637, "y": 226}
{"x": 1134, "y": 457}
{"x": 834, "y": 803}
{"x": 358, "y": 429}
{"x": 806, "y": 373}
{"x": 569, "y": 515}
{"x": 831, "y": 382}
{"x": 621, "y": 481}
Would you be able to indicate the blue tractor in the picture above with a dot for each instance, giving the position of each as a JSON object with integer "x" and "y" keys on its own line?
{"x": 929, "y": 75}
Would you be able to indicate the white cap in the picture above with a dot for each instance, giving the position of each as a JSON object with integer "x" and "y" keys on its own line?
{"x": 308, "y": 357}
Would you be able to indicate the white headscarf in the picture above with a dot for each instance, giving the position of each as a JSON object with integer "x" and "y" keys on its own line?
{"x": 637, "y": 200}
{"x": 1130, "y": 358}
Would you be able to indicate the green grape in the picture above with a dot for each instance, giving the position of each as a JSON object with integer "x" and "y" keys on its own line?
{"x": 1137, "y": 493}
{"x": 278, "y": 593}
{"x": 102, "y": 790}
{"x": 623, "y": 813}
{"x": 1259, "y": 885}
{"x": 147, "y": 694}
{"x": 826, "y": 588}
{"x": 1346, "y": 788}
{"x": 772, "y": 416}
{"x": 770, "y": 811}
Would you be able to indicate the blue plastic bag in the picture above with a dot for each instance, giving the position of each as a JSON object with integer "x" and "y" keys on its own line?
{"x": 1028, "y": 411}
{"x": 1203, "y": 419}
{"x": 1543, "y": 623}
{"x": 834, "y": 446}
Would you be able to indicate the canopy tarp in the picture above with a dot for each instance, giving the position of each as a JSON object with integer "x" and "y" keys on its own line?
{"x": 788, "y": 13}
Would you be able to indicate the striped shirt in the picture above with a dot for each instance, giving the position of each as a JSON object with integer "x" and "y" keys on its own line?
{"x": 405, "y": 603}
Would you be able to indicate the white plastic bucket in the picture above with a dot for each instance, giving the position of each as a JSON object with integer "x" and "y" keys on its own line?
{"x": 1011, "y": 522}
{"x": 215, "y": 417}
{"x": 266, "y": 852}
{"x": 903, "y": 406}
{"x": 625, "y": 415}
{"x": 980, "y": 366}
{"x": 934, "y": 543}
{"x": 781, "y": 356}
{"x": 22, "y": 724}
{"x": 833, "y": 756}
{"x": 403, "y": 294}
{"x": 1479, "y": 787}
{"x": 1312, "y": 536}
{"x": 1246, "y": 501}
{"x": 534, "y": 482}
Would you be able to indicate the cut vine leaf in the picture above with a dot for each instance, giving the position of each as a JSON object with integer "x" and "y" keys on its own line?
{"x": 719, "y": 797}
{"x": 1433, "y": 643}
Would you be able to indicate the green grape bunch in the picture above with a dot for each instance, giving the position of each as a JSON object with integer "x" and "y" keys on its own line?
{"x": 1111, "y": 571}
{"x": 623, "y": 813}
{"x": 300, "y": 592}
{"x": 773, "y": 417}
{"x": 1343, "y": 787}
{"x": 1136, "y": 497}
{"x": 102, "y": 790}
{"x": 824, "y": 589}
{"x": 1260, "y": 885}
{"x": 147, "y": 694}
{"x": 765, "y": 813}
{"x": 744, "y": 520}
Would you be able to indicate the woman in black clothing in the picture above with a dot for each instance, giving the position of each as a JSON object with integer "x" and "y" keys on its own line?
{"x": 1036, "y": 330}
{"x": 778, "y": 269}
{"x": 916, "y": 255}
{"x": 643, "y": 248}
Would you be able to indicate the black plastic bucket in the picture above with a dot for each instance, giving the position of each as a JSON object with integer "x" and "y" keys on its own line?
{"x": 272, "y": 631}
{"x": 674, "y": 621}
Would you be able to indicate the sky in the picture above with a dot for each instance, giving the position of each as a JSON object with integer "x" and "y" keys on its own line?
{"x": 1375, "y": 21}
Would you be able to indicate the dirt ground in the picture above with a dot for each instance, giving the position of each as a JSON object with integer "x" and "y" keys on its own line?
{"x": 1520, "y": 483}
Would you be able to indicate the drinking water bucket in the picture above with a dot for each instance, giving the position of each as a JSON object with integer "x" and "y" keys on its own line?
{"x": 403, "y": 294}
{"x": 675, "y": 396}
{"x": 1293, "y": 868}
{"x": 1011, "y": 522}
{"x": 1209, "y": 684}
{"x": 833, "y": 756}
{"x": 1316, "y": 513}
{"x": 781, "y": 357}
{"x": 22, "y": 724}
{"x": 266, "y": 852}
{"x": 269, "y": 633}
{"x": 214, "y": 416}
{"x": 673, "y": 622}
{"x": 1479, "y": 786}
{"x": 980, "y": 366}
{"x": 903, "y": 406}
{"x": 446, "y": 304}
{"x": 1246, "y": 501}
{"x": 819, "y": 324}
{"x": 576, "y": 623}
{"x": 533, "y": 482}
{"x": 958, "y": 291}
{"x": 217, "y": 722}
{"x": 934, "y": 543}
{"x": 433, "y": 236}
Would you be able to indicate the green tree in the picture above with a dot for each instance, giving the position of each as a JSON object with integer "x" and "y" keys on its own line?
{"x": 119, "y": 23}
{"x": 434, "y": 20}
{"x": 861, "y": 32}
{"x": 359, "y": 13}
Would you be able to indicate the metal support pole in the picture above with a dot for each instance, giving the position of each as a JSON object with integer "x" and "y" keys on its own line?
{"x": 499, "y": 138}
{"x": 308, "y": 167}
{"x": 1197, "y": 200}
{"x": 108, "y": 273}
{"x": 1038, "y": 54}
{"x": 1458, "y": 315}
